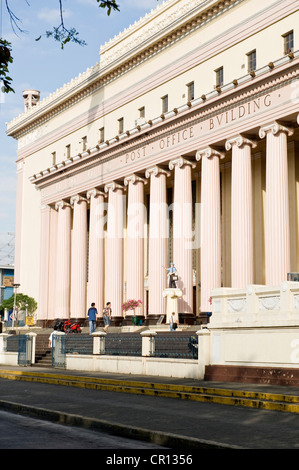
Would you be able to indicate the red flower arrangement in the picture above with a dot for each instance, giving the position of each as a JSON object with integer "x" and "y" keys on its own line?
{"x": 131, "y": 304}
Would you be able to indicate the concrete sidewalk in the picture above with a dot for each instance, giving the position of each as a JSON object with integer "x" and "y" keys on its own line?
{"x": 176, "y": 413}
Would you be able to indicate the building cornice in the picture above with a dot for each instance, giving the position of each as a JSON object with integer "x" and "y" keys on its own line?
{"x": 267, "y": 80}
{"x": 166, "y": 32}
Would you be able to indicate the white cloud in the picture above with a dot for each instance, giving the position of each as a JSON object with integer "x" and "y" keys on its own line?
{"x": 52, "y": 15}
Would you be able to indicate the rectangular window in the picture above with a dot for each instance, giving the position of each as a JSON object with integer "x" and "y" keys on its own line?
{"x": 102, "y": 135}
{"x": 53, "y": 158}
{"x": 164, "y": 100}
{"x": 219, "y": 77}
{"x": 142, "y": 112}
{"x": 84, "y": 143}
{"x": 288, "y": 42}
{"x": 121, "y": 125}
{"x": 190, "y": 89}
{"x": 251, "y": 61}
{"x": 68, "y": 151}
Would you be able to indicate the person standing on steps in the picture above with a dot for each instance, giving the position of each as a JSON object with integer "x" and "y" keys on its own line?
{"x": 92, "y": 313}
{"x": 107, "y": 316}
{"x": 173, "y": 324}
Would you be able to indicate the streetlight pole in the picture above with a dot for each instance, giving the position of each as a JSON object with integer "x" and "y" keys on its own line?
{"x": 15, "y": 286}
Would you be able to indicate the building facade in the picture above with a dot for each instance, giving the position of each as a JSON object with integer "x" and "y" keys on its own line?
{"x": 7, "y": 281}
{"x": 180, "y": 145}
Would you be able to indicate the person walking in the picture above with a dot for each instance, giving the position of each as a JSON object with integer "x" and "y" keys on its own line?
{"x": 173, "y": 324}
{"x": 92, "y": 313}
{"x": 107, "y": 316}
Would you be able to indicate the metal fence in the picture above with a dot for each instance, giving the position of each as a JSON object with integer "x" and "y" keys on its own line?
{"x": 78, "y": 344}
{"x": 59, "y": 351}
{"x": 176, "y": 345}
{"x": 25, "y": 350}
{"x": 123, "y": 345}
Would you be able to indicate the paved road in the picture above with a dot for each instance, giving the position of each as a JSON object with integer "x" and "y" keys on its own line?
{"x": 23, "y": 432}
{"x": 226, "y": 425}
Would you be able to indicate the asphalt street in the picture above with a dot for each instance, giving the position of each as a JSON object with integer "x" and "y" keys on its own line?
{"x": 23, "y": 432}
{"x": 215, "y": 424}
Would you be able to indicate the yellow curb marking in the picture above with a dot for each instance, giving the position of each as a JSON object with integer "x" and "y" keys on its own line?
{"x": 277, "y": 402}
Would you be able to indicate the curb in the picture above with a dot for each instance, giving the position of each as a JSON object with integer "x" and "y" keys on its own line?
{"x": 267, "y": 401}
{"x": 168, "y": 440}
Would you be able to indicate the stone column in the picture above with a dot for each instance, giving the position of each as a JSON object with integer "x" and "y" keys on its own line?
{"x": 210, "y": 272}
{"x": 241, "y": 212}
{"x": 79, "y": 258}
{"x": 277, "y": 236}
{"x": 52, "y": 314}
{"x": 63, "y": 263}
{"x": 135, "y": 239}
{"x": 158, "y": 237}
{"x": 182, "y": 231}
{"x": 44, "y": 264}
{"x": 96, "y": 264}
{"x": 114, "y": 252}
{"x": 19, "y": 218}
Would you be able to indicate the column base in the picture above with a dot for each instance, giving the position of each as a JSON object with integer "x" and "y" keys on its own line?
{"x": 203, "y": 318}
{"x": 133, "y": 320}
{"x": 116, "y": 321}
{"x": 187, "y": 319}
{"x": 154, "y": 318}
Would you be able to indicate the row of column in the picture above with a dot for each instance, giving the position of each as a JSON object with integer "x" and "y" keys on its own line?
{"x": 108, "y": 276}
{"x": 277, "y": 225}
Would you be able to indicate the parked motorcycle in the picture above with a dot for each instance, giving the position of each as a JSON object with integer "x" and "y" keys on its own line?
{"x": 67, "y": 326}
{"x": 71, "y": 327}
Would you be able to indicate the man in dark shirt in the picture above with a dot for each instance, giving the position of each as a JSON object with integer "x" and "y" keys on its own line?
{"x": 92, "y": 312}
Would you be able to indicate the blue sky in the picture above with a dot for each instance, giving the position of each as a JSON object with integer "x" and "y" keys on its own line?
{"x": 45, "y": 67}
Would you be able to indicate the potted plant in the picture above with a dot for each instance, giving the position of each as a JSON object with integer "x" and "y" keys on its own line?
{"x": 131, "y": 304}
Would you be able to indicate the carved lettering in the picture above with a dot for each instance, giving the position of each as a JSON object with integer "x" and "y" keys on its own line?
{"x": 241, "y": 112}
{"x": 267, "y": 101}
{"x": 176, "y": 138}
{"x": 135, "y": 154}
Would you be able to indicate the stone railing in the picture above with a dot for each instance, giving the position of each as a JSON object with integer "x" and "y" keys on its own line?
{"x": 258, "y": 305}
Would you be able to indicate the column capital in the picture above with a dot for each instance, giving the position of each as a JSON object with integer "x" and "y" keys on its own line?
{"x": 134, "y": 179}
{"x": 275, "y": 128}
{"x": 94, "y": 193}
{"x": 155, "y": 171}
{"x": 209, "y": 152}
{"x": 77, "y": 199}
{"x": 180, "y": 162}
{"x": 61, "y": 205}
{"x": 113, "y": 186}
{"x": 239, "y": 141}
{"x": 45, "y": 207}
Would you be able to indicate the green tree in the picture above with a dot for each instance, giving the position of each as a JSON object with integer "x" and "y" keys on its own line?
{"x": 21, "y": 301}
{"x": 60, "y": 33}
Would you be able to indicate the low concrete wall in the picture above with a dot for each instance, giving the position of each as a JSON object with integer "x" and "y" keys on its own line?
{"x": 257, "y": 326}
{"x": 180, "y": 368}
{"x": 9, "y": 358}
{"x": 263, "y": 347}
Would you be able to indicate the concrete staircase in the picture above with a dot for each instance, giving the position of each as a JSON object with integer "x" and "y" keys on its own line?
{"x": 43, "y": 354}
